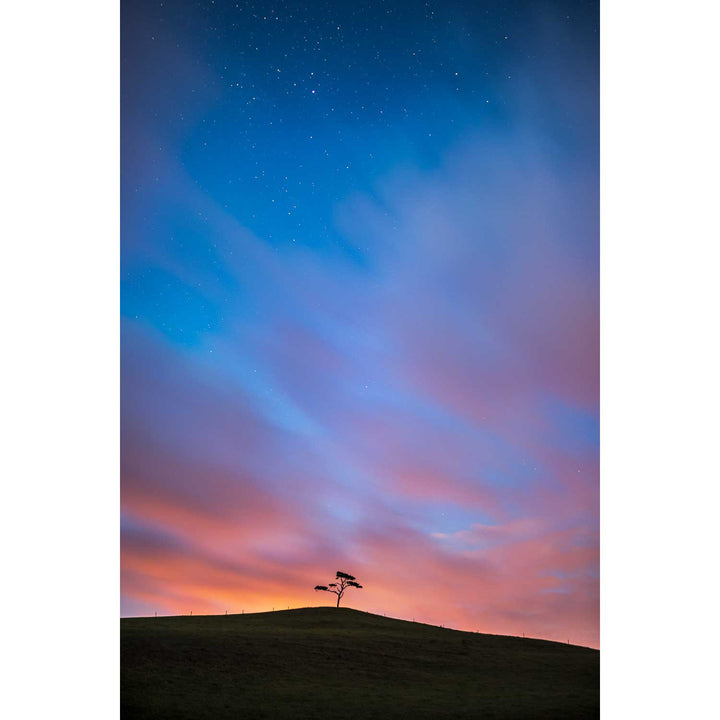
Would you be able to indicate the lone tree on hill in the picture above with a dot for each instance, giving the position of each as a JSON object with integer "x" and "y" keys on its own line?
{"x": 339, "y": 588}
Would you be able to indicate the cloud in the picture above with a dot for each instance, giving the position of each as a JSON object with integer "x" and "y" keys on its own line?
{"x": 408, "y": 418}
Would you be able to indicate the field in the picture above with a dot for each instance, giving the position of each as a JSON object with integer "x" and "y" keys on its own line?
{"x": 329, "y": 662}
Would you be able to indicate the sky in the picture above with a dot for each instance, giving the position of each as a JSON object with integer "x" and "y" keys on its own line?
{"x": 360, "y": 310}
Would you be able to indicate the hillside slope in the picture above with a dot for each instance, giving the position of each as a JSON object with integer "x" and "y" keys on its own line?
{"x": 320, "y": 662}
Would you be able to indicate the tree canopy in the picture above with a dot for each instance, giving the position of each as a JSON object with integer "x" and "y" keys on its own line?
{"x": 339, "y": 588}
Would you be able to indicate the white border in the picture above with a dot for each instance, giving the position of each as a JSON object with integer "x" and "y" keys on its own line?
{"x": 60, "y": 369}
{"x": 660, "y": 363}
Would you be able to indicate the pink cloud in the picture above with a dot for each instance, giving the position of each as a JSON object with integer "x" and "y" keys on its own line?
{"x": 381, "y": 397}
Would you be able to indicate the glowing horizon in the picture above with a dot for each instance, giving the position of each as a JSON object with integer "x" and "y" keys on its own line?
{"x": 360, "y": 311}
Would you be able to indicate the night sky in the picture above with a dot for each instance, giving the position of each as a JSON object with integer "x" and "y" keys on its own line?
{"x": 360, "y": 310}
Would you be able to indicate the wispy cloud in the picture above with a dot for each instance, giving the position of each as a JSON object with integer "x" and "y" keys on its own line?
{"x": 415, "y": 402}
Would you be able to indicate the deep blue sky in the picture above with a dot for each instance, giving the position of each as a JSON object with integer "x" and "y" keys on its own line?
{"x": 360, "y": 306}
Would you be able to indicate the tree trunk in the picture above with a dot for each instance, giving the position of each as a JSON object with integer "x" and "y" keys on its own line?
{"x": 338, "y": 602}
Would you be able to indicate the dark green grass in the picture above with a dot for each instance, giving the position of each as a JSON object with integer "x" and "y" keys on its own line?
{"x": 328, "y": 662}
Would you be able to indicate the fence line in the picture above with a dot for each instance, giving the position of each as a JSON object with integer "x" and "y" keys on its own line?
{"x": 368, "y": 612}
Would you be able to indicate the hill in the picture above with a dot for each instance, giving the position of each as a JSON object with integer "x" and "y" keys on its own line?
{"x": 323, "y": 662}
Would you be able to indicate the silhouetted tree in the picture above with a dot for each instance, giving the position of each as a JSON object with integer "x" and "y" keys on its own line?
{"x": 339, "y": 588}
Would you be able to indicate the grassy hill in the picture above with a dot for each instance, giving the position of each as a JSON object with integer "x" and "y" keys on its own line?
{"x": 324, "y": 662}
